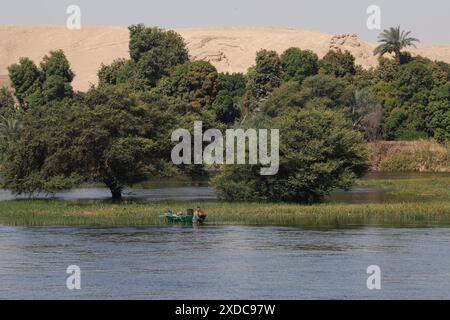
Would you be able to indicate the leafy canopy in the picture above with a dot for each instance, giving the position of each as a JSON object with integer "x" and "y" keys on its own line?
{"x": 394, "y": 40}
{"x": 299, "y": 64}
{"x": 319, "y": 152}
{"x": 37, "y": 86}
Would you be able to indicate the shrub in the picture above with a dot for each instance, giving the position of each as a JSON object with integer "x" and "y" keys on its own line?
{"x": 319, "y": 152}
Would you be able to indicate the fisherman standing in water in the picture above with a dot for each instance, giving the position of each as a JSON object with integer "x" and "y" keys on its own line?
{"x": 199, "y": 215}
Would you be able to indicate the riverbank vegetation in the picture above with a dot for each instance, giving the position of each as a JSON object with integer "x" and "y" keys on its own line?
{"x": 408, "y": 202}
{"x": 119, "y": 132}
{"x": 409, "y": 156}
{"x": 59, "y": 213}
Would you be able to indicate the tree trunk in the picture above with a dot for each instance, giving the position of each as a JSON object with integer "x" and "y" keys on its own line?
{"x": 398, "y": 57}
{"x": 115, "y": 188}
{"x": 246, "y": 108}
{"x": 116, "y": 194}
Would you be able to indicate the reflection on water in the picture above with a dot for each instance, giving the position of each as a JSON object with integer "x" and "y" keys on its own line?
{"x": 199, "y": 190}
{"x": 224, "y": 263}
{"x": 358, "y": 196}
{"x": 86, "y": 194}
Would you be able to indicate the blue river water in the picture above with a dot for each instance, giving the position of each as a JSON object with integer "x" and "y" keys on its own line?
{"x": 232, "y": 262}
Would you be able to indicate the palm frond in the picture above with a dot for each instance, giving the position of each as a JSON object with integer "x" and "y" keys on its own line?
{"x": 393, "y": 40}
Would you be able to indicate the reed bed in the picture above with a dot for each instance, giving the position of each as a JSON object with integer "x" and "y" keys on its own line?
{"x": 409, "y": 202}
{"x": 57, "y": 213}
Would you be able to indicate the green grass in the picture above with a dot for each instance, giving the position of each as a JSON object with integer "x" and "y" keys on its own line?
{"x": 431, "y": 189}
{"x": 412, "y": 202}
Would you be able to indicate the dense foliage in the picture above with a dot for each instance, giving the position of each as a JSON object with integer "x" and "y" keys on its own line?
{"x": 393, "y": 40}
{"x": 319, "y": 151}
{"x": 109, "y": 138}
{"x": 338, "y": 64}
{"x": 299, "y": 64}
{"x": 119, "y": 132}
{"x": 36, "y": 86}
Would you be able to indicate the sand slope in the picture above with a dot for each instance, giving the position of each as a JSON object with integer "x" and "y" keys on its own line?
{"x": 229, "y": 49}
{"x": 4, "y": 81}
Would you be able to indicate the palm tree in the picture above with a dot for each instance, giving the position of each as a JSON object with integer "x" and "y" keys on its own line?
{"x": 9, "y": 133}
{"x": 393, "y": 41}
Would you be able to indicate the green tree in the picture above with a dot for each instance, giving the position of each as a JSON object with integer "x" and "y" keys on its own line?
{"x": 120, "y": 71}
{"x": 441, "y": 72}
{"x": 55, "y": 88}
{"x": 6, "y": 102}
{"x": 315, "y": 92}
{"x": 225, "y": 108}
{"x": 326, "y": 90}
{"x": 367, "y": 114}
{"x": 26, "y": 79}
{"x": 395, "y": 122}
{"x": 384, "y": 93}
{"x": 56, "y": 64}
{"x": 55, "y": 80}
{"x": 267, "y": 75}
{"x": 438, "y": 113}
{"x": 234, "y": 83}
{"x": 363, "y": 78}
{"x": 155, "y": 51}
{"x": 394, "y": 40}
{"x": 412, "y": 78}
{"x": 338, "y": 63}
{"x": 36, "y": 86}
{"x": 10, "y": 128}
{"x": 226, "y": 105}
{"x": 110, "y": 137}
{"x": 299, "y": 64}
{"x": 319, "y": 151}
{"x": 387, "y": 70}
{"x": 196, "y": 82}
{"x": 289, "y": 95}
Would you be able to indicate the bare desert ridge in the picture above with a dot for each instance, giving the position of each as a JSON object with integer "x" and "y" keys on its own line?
{"x": 229, "y": 49}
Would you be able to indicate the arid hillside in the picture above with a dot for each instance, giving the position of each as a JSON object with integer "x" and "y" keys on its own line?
{"x": 4, "y": 81}
{"x": 229, "y": 49}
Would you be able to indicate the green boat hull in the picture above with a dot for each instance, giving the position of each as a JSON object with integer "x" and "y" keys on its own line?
{"x": 182, "y": 219}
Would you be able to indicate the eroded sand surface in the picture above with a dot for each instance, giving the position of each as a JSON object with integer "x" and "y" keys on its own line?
{"x": 229, "y": 49}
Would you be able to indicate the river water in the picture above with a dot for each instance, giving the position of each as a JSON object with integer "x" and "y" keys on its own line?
{"x": 232, "y": 262}
{"x": 200, "y": 190}
{"x": 224, "y": 263}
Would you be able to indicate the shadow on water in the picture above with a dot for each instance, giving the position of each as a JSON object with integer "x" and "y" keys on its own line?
{"x": 103, "y": 194}
{"x": 185, "y": 190}
{"x": 358, "y": 196}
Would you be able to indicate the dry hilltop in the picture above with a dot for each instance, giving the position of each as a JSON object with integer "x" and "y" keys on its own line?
{"x": 229, "y": 49}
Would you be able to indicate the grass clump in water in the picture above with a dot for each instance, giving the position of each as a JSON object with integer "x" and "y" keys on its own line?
{"x": 409, "y": 202}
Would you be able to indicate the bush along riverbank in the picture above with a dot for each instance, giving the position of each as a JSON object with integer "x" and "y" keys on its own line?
{"x": 409, "y": 202}
{"x": 409, "y": 156}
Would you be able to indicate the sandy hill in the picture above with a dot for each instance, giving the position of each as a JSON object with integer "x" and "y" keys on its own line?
{"x": 229, "y": 49}
{"x": 4, "y": 81}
